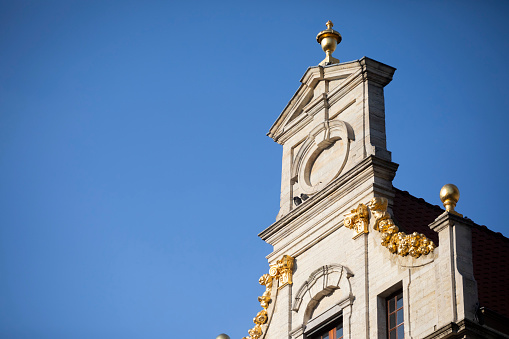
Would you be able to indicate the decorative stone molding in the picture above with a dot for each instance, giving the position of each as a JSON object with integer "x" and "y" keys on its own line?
{"x": 397, "y": 242}
{"x": 321, "y": 282}
{"x": 292, "y": 232}
{"x": 282, "y": 272}
{"x": 334, "y": 136}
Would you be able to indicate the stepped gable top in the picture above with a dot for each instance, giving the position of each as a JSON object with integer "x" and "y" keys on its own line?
{"x": 490, "y": 250}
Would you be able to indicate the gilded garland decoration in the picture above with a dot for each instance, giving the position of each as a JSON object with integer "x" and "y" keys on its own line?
{"x": 403, "y": 244}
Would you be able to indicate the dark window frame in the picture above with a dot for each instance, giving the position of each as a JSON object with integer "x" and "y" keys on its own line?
{"x": 397, "y": 313}
{"x": 330, "y": 330}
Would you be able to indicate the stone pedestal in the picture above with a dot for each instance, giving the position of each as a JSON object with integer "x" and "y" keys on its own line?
{"x": 455, "y": 282}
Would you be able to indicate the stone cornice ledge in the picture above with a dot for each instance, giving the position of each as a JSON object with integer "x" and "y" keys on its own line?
{"x": 448, "y": 219}
{"x": 382, "y": 169}
{"x": 465, "y": 327}
{"x": 377, "y": 72}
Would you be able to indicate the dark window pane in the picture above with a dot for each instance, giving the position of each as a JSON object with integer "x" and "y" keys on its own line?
{"x": 400, "y": 301}
{"x": 392, "y": 321}
{"x": 392, "y": 334}
{"x": 325, "y": 336}
{"x": 401, "y": 332}
{"x": 339, "y": 331}
{"x": 392, "y": 305}
{"x": 400, "y": 316}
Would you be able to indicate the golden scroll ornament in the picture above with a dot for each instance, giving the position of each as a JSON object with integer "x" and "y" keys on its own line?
{"x": 358, "y": 220}
{"x": 281, "y": 271}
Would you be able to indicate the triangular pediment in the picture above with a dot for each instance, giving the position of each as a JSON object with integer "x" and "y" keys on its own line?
{"x": 310, "y": 96}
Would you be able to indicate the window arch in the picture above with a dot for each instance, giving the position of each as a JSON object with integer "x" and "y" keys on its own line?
{"x": 324, "y": 281}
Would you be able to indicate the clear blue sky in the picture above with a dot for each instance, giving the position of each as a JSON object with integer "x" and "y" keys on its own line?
{"x": 135, "y": 173}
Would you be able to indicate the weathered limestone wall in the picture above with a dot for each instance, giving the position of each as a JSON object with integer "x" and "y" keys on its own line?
{"x": 388, "y": 272}
{"x": 334, "y": 151}
{"x": 340, "y": 275}
{"x": 279, "y": 325}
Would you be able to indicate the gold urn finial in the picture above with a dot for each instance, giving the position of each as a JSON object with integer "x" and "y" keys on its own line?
{"x": 450, "y": 194}
{"x": 329, "y": 39}
{"x": 223, "y": 336}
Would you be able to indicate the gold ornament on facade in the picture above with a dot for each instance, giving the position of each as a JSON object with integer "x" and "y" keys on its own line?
{"x": 282, "y": 272}
{"x": 261, "y": 317}
{"x": 255, "y": 333}
{"x": 415, "y": 244}
{"x": 329, "y": 39}
{"x": 400, "y": 243}
{"x": 357, "y": 220}
{"x": 450, "y": 194}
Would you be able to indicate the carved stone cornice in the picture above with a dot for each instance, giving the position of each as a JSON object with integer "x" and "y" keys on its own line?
{"x": 293, "y": 233}
{"x": 448, "y": 219}
{"x": 377, "y": 72}
{"x": 369, "y": 167}
{"x": 466, "y": 329}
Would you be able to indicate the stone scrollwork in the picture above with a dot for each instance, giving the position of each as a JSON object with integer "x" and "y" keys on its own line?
{"x": 403, "y": 244}
{"x": 281, "y": 272}
{"x": 357, "y": 220}
{"x": 397, "y": 242}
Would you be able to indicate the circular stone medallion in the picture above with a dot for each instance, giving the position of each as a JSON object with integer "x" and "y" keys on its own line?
{"x": 322, "y": 156}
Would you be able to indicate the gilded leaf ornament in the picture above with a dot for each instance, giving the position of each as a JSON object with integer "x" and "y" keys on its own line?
{"x": 281, "y": 272}
{"x": 415, "y": 244}
{"x": 357, "y": 220}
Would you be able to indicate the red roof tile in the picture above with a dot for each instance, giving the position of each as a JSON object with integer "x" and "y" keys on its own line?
{"x": 413, "y": 214}
{"x": 490, "y": 252}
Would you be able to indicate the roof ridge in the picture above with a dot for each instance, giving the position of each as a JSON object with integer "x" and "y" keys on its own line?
{"x": 485, "y": 228}
{"x": 418, "y": 199}
{"x": 478, "y": 226}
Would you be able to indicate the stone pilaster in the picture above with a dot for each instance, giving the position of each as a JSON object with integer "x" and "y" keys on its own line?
{"x": 455, "y": 283}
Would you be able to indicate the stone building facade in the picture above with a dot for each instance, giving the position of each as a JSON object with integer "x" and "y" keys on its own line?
{"x": 353, "y": 256}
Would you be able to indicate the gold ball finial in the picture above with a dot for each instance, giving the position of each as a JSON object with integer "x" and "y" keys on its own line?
{"x": 329, "y": 39}
{"x": 223, "y": 336}
{"x": 450, "y": 194}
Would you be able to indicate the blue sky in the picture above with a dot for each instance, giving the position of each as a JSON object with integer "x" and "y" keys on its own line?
{"x": 135, "y": 173}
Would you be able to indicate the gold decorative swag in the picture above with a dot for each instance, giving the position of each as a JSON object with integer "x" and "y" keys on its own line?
{"x": 397, "y": 242}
